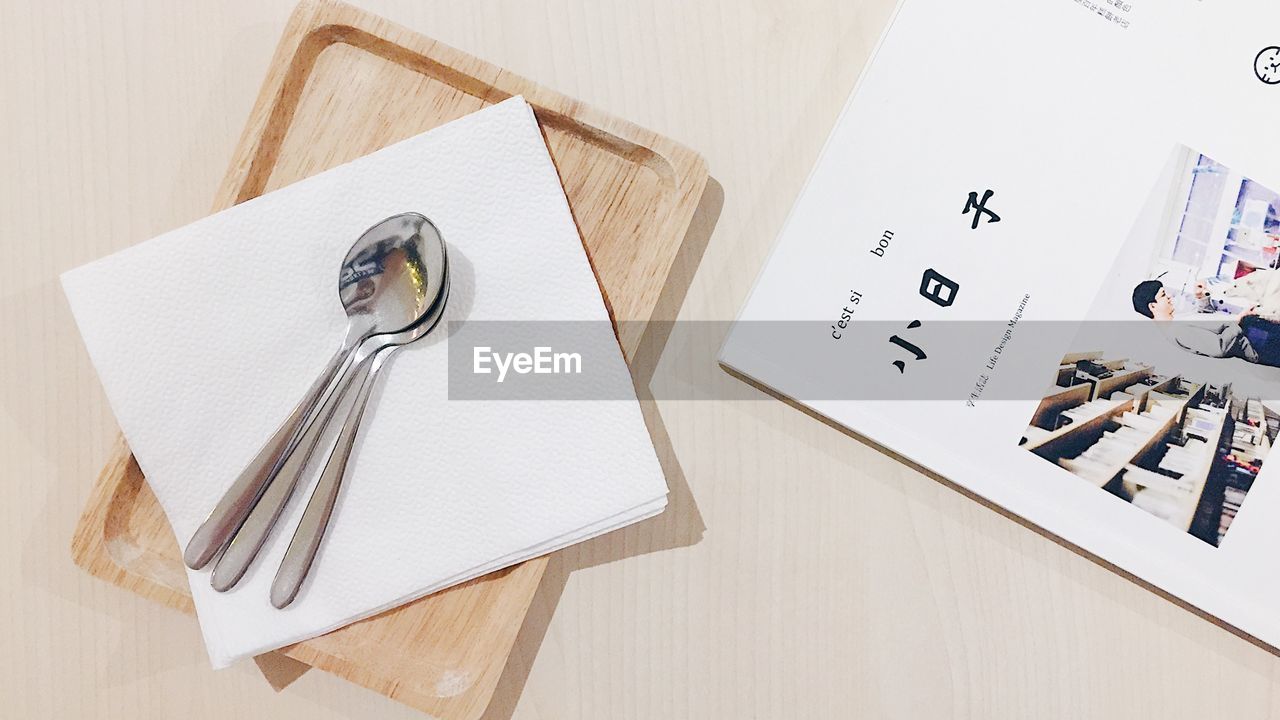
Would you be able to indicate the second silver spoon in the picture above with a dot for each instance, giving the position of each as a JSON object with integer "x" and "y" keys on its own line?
{"x": 301, "y": 554}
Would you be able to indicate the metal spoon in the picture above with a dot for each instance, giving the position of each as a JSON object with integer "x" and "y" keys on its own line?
{"x": 252, "y": 535}
{"x": 381, "y": 289}
{"x": 315, "y": 519}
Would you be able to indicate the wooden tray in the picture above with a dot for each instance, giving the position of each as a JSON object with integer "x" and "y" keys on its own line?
{"x": 342, "y": 84}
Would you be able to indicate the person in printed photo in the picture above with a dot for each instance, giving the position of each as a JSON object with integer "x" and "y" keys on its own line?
{"x": 1207, "y": 332}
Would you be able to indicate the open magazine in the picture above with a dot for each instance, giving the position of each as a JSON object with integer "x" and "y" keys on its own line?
{"x": 1040, "y": 256}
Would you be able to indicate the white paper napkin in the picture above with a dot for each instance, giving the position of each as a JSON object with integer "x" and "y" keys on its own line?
{"x": 205, "y": 337}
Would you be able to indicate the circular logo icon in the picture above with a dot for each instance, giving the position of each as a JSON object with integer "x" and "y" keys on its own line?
{"x": 1267, "y": 65}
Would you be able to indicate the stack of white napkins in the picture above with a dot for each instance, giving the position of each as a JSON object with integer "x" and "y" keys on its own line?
{"x": 205, "y": 338}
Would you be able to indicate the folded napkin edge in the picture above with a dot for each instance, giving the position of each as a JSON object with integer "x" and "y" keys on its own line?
{"x": 639, "y": 513}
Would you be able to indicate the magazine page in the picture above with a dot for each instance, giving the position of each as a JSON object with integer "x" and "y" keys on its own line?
{"x": 1038, "y": 256}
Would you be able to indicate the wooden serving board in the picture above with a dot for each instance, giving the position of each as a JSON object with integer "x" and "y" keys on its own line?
{"x": 342, "y": 84}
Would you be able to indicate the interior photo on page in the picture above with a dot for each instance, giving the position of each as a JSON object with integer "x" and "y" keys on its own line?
{"x": 1037, "y": 257}
{"x": 1178, "y": 421}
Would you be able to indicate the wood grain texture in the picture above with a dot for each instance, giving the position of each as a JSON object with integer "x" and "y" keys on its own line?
{"x": 344, "y": 83}
{"x": 831, "y": 580}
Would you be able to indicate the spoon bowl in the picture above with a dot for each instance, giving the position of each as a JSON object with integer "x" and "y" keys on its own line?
{"x": 391, "y": 276}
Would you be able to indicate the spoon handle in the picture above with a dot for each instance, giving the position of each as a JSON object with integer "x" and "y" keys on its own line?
{"x": 315, "y": 519}
{"x": 230, "y": 512}
{"x": 248, "y": 542}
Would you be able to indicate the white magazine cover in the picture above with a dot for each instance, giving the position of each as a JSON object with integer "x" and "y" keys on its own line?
{"x": 1038, "y": 256}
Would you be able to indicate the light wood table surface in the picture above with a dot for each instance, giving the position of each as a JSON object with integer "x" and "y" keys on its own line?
{"x": 798, "y": 574}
